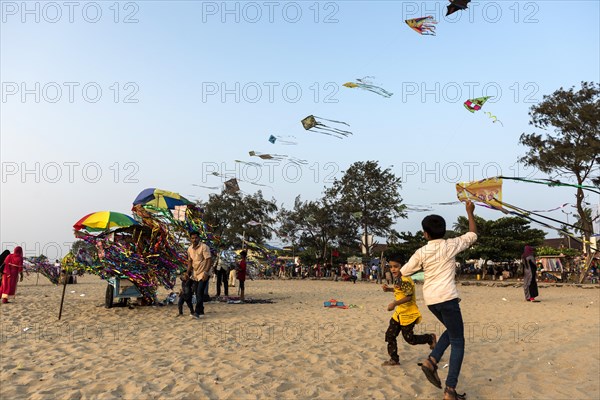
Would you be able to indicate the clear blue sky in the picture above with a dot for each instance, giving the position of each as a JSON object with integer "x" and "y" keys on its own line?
{"x": 188, "y": 87}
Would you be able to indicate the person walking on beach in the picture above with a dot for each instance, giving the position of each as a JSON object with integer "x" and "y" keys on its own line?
{"x": 529, "y": 274}
{"x": 241, "y": 273}
{"x": 185, "y": 294}
{"x": 406, "y": 314}
{"x": 436, "y": 259}
{"x": 353, "y": 274}
{"x": 222, "y": 275}
{"x": 199, "y": 263}
{"x": 3, "y": 256}
{"x": 13, "y": 267}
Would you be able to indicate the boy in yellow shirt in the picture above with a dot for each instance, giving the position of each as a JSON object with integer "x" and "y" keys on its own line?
{"x": 406, "y": 314}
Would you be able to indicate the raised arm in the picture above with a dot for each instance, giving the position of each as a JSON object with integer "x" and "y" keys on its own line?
{"x": 470, "y": 210}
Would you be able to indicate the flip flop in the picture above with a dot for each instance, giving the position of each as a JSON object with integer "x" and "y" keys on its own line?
{"x": 431, "y": 374}
{"x": 454, "y": 394}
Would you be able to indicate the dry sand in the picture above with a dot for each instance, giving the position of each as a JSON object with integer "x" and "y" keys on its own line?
{"x": 294, "y": 348}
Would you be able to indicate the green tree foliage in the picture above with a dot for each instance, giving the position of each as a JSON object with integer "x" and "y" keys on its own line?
{"x": 370, "y": 195}
{"x": 579, "y": 222}
{"x": 551, "y": 251}
{"x": 316, "y": 227}
{"x": 572, "y": 149}
{"x": 229, "y": 214}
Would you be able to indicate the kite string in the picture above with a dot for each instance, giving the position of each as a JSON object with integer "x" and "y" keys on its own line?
{"x": 550, "y": 182}
{"x": 526, "y": 214}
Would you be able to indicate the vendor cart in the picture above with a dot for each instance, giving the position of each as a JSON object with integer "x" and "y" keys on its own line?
{"x": 121, "y": 289}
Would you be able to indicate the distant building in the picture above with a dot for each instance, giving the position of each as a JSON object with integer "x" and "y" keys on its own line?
{"x": 560, "y": 243}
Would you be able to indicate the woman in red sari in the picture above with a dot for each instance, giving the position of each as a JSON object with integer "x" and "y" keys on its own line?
{"x": 13, "y": 266}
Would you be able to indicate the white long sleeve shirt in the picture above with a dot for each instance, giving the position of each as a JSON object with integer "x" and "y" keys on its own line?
{"x": 436, "y": 259}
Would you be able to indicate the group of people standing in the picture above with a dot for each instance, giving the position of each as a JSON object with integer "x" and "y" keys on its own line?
{"x": 195, "y": 279}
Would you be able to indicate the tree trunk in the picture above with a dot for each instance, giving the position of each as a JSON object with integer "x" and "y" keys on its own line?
{"x": 368, "y": 250}
{"x": 586, "y": 227}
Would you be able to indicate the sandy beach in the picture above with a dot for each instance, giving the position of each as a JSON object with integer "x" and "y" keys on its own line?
{"x": 294, "y": 348}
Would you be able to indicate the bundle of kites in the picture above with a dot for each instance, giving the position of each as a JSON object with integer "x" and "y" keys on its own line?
{"x": 150, "y": 249}
{"x": 258, "y": 252}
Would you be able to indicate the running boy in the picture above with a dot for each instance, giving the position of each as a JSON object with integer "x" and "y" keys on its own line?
{"x": 436, "y": 259}
{"x": 406, "y": 314}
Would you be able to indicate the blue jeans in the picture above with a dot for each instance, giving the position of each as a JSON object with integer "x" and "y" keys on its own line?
{"x": 449, "y": 314}
{"x": 200, "y": 285}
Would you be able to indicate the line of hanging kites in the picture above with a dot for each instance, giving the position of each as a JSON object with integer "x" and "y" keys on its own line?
{"x": 488, "y": 193}
{"x": 337, "y": 129}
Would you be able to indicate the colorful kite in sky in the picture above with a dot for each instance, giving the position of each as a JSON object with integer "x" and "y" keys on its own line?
{"x": 281, "y": 140}
{"x": 423, "y": 25}
{"x": 239, "y": 180}
{"x": 277, "y": 157}
{"x": 248, "y": 163}
{"x": 264, "y": 156}
{"x": 368, "y": 85}
{"x": 487, "y": 191}
{"x": 456, "y": 5}
{"x": 313, "y": 123}
{"x": 475, "y": 104}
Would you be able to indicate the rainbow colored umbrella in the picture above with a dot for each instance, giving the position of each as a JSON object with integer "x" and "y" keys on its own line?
{"x": 159, "y": 198}
{"x": 104, "y": 220}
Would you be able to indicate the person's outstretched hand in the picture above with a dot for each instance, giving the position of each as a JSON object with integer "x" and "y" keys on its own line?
{"x": 469, "y": 206}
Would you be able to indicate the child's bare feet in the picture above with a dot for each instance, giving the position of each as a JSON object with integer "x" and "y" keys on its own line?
{"x": 390, "y": 363}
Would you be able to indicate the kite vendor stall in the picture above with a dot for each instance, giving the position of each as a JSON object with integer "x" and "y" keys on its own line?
{"x": 552, "y": 267}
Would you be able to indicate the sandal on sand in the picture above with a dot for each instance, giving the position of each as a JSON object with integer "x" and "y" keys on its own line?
{"x": 450, "y": 394}
{"x": 434, "y": 342}
{"x": 389, "y": 363}
{"x": 429, "y": 368}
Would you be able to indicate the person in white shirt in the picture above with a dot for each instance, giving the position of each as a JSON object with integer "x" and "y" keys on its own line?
{"x": 436, "y": 259}
{"x": 199, "y": 263}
